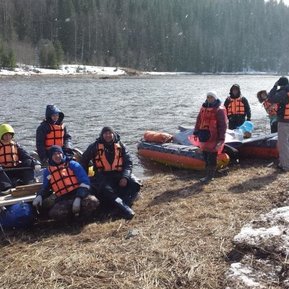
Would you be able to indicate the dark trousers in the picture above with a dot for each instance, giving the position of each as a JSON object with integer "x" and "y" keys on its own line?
{"x": 210, "y": 159}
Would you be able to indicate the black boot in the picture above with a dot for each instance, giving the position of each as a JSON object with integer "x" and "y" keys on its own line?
{"x": 127, "y": 211}
{"x": 210, "y": 174}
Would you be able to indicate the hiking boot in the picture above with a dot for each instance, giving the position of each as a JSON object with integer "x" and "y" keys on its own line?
{"x": 126, "y": 210}
{"x": 206, "y": 179}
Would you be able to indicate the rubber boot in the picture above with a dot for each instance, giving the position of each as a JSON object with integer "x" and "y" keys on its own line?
{"x": 210, "y": 174}
{"x": 127, "y": 211}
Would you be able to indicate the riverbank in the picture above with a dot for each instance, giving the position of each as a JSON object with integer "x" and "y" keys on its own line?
{"x": 181, "y": 236}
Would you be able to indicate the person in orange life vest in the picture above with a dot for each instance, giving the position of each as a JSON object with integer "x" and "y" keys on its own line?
{"x": 281, "y": 97}
{"x": 237, "y": 107}
{"x": 70, "y": 183}
{"x": 16, "y": 165}
{"x": 271, "y": 109}
{"x": 113, "y": 182}
{"x": 52, "y": 131}
{"x": 210, "y": 129}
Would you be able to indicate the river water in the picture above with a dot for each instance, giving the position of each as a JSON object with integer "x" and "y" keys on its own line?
{"x": 130, "y": 105}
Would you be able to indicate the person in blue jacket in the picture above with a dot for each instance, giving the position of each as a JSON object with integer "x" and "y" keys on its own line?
{"x": 113, "y": 181}
{"x": 51, "y": 132}
{"x": 70, "y": 184}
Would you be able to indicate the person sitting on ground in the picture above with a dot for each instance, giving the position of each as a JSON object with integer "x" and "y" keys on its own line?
{"x": 210, "y": 129}
{"x": 237, "y": 107}
{"x": 70, "y": 183}
{"x": 51, "y": 132}
{"x": 280, "y": 96}
{"x": 271, "y": 109}
{"x": 16, "y": 165}
{"x": 113, "y": 181}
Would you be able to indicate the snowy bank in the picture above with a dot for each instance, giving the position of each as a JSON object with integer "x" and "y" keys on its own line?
{"x": 265, "y": 245}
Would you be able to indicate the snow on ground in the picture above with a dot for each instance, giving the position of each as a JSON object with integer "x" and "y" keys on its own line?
{"x": 265, "y": 242}
{"x": 64, "y": 70}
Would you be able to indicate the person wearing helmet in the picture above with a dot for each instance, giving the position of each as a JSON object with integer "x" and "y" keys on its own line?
{"x": 70, "y": 184}
{"x": 16, "y": 165}
{"x": 51, "y": 132}
{"x": 279, "y": 95}
{"x": 271, "y": 109}
{"x": 237, "y": 107}
{"x": 113, "y": 181}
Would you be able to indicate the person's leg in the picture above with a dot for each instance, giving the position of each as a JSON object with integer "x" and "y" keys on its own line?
{"x": 283, "y": 145}
{"x": 130, "y": 192}
{"x": 26, "y": 176}
{"x": 5, "y": 182}
{"x": 211, "y": 164}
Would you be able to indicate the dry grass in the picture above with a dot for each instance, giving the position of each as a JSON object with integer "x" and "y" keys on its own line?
{"x": 179, "y": 238}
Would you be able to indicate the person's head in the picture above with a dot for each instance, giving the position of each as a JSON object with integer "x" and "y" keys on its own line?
{"x": 107, "y": 134}
{"x": 53, "y": 114}
{"x": 283, "y": 81}
{"x": 262, "y": 95}
{"x": 56, "y": 155}
{"x": 235, "y": 91}
{"x": 211, "y": 97}
{"x": 6, "y": 132}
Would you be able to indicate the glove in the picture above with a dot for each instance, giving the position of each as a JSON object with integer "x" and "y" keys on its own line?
{"x": 76, "y": 206}
{"x": 37, "y": 202}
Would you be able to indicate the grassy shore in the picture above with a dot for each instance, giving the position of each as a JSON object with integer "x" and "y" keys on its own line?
{"x": 179, "y": 238}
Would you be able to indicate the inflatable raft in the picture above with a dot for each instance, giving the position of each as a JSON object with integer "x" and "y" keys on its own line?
{"x": 176, "y": 155}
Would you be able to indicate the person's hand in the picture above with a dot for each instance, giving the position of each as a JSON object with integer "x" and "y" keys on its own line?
{"x": 76, "y": 206}
{"x": 218, "y": 145}
{"x": 123, "y": 182}
{"x": 37, "y": 202}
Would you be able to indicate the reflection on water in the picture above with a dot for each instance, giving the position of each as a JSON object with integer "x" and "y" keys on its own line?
{"x": 130, "y": 105}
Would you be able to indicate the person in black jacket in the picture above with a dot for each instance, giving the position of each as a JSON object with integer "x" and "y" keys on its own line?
{"x": 113, "y": 181}
{"x": 237, "y": 107}
{"x": 280, "y": 96}
{"x": 51, "y": 132}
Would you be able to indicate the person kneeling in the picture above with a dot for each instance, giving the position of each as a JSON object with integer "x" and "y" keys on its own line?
{"x": 70, "y": 183}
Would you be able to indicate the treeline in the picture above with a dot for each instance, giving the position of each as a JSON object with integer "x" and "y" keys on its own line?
{"x": 162, "y": 35}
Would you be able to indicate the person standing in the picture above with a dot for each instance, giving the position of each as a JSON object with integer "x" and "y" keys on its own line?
{"x": 281, "y": 97}
{"x": 113, "y": 181}
{"x": 237, "y": 107}
{"x": 210, "y": 130}
{"x": 51, "y": 132}
{"x": 271, "y": 109}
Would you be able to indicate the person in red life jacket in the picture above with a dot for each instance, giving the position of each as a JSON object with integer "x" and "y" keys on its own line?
{"x": 271, "y": 109}
{"x": 51, "y": 132}
{"x": 281, "y": 97}
{"x": 16, "y": 165}
{"x": 237, "y": 107}
{"x": 70, "y": 184}
{"x": 113, "y": 181}
{"x": 210, "y": 129}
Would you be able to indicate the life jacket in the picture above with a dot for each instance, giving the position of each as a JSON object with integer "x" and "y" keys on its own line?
{"x": 9, "y": 155}
{"x": 236, "y": 106}
{"x": 55, "y": 136}
{"x": 208, "y": 118}
{"x": 101, "y": 163}
{"x": 271, "y": 108}
{"x": 286, "y": 110}
{"x": 62, "y": 179}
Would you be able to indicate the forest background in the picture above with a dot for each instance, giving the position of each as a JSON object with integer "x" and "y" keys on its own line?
{"x": 156, "y": 35}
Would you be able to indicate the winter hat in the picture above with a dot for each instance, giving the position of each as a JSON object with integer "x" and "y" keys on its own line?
{"x": 52, "y": 150}
{"x": 213, "y": 94}
{"x": 283, "y": 81}
{"x": 106, "y": 129}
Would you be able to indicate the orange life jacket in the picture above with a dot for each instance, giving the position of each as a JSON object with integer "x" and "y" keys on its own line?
{"x": 9, "y": 155}
{"x": 271, "y": 108}
{"x": 208, "y": 118}
{"x": 236, "y": 106}
{"x": 101, "y": 163}
{"x": 62, "y": 179}
{"x": 55, "y": 136}
{"x": 286, "y": 110}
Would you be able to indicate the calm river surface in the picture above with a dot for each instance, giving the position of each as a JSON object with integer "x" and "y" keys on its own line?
{"x": 130, "y": 105}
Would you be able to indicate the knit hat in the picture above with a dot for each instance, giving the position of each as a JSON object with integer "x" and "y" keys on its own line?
{"x": 213, "y": 94}
{"x": 283, "y": 81}
{"x": 106, "y": 129}
{"x": 52, "y": 151}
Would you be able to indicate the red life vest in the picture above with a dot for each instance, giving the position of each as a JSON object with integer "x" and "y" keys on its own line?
{"x": 62, "y": 179}
{"x": 9, "y": 155}
{"x": 236, "y": 106}
{"x": 271, "y": 108}
{"x": 101, "y": 163}
{"x": 286, "y": 110}
{"x": 55, "y": 136}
